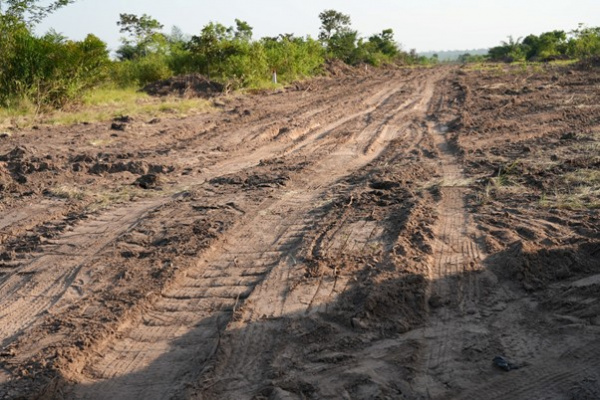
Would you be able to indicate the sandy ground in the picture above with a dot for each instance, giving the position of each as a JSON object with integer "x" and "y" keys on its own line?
{"x": 374, "y": 235}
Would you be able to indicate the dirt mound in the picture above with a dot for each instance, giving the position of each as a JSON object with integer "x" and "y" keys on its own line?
{"x": 148, "y": 181}
{"x": 192, "y": 85}
{"x": 339, "y": 68}
{"x": 19, "y": 153}
{"x": 589, "y": 63}
{"x": 535, "y": 267}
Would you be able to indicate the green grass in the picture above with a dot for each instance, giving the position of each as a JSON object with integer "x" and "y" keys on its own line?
{"x": 485, "y": 66}
{"x": 564, "y": 62}
{"x": 517, "y": 66}
{"x": 102, "y": 105}
{"x": 579, "y": 190}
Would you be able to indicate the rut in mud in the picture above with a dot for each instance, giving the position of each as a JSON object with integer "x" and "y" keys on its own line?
{"x": 247, "y": 275}
{"x": 454, "y": 271}
{"x": 347, "y": 238}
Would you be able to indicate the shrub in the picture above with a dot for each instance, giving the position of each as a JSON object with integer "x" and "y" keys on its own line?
{"x": 141, "y": 71}
{"x": 293, "y": 58}
{"x": 47, "y": 70}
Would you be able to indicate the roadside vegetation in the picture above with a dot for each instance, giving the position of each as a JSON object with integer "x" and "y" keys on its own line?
{"x": 556, "y": 46}
{"x": 44, "y": 78}
{"x": 42, "y": 74}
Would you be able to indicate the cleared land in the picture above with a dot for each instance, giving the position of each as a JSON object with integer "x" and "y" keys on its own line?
{"x": 380, "y": 234}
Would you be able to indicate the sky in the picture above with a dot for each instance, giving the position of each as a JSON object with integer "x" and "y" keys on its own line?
{"x": 425, "y": 25}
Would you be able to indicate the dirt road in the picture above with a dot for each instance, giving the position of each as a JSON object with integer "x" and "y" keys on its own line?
{"x": 326, "y": 241}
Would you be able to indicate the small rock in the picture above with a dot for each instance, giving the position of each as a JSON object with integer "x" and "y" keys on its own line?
{"x": 8, "y": 353}
{"x": 435, "y": 301}
{"x": 500, "y": 362}
{"x": 148, "y": 181}
{"x": 357, "y": 323}
{"x": 117, "y": 126}
{"x": 154, "y": 121}
{"x": 128, "y": 254}
{"x": 5, "y": 135}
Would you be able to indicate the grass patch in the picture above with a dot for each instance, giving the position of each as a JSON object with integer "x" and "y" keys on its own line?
{"x": 580, "y": 190}
{"x": 102, "y": 200}
{"x": 583, "y": 177}
{"x": 562, "y": 63}
{"x": 67, "y": 193}
{"x": 518, "y": 66}
{"x": 102, "y": 105}
{"x": 449, "y": 182}
{"x": 584, "y": 199}
{"x": 485, "y": 66}
{"x": 100, "y": 142}
{"x": 99, "y": 200}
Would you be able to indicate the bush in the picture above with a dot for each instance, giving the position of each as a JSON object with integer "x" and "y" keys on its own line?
{"x": 556, "y": 45}
{"x": 141, "y": 71}
{"x": 293, "y": 58}
{"x": 47, "y": 70}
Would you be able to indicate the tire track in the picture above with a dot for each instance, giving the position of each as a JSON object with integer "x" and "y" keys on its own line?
{"x": 244, "y": 359}
{"x": 453, "y": 287}
{"x": 216, "y": 290}
{"x": 539, "y": 382}
{"x": 30, "y": 289}
{"x": 34, "y": 287}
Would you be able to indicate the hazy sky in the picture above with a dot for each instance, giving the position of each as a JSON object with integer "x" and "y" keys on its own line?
{"x": 421, "y": 24}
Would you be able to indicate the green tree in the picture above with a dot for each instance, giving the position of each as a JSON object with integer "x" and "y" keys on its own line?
{"x": 144, "y": 36}
{"x": 210, "y": 47}
{"x": 337, "y": 35}
{"x": 243, "y": 31}
{"x": 333, "y": 23}
{"x": 584, "y": 42}
{"x": 293, "y": 57}
{"x": 509, "y": 51}
{"x": 546, "y": 46}
{"x": 179, "y": 58}
{"x": 29, "y": 11}
{"x": 385, "y": 43}
{"x": 50, "y": 70}
{"x": 47, "y": 70}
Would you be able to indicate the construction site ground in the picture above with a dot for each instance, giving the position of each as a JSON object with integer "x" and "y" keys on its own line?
{"x": 379, "y": 234}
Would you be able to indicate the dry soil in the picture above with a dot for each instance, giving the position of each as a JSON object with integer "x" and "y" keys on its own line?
{"x": 378, "y": 234}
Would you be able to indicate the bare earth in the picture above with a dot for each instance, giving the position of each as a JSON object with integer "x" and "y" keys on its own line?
{"x": 377, "y": 235}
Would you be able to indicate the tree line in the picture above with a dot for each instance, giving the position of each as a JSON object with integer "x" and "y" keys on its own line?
{"x": 50, "y": 70}
{"x": 580, "y": 43}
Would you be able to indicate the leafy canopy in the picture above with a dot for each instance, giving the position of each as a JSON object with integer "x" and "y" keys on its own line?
{"x": 29, "y": 11}
{"x": 333, "y": 23}
{"x": 144, "y": 36}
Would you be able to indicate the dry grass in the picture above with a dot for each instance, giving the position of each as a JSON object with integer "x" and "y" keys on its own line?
{"x": 99, "y": 200}
{"x": 103, "y": 105}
